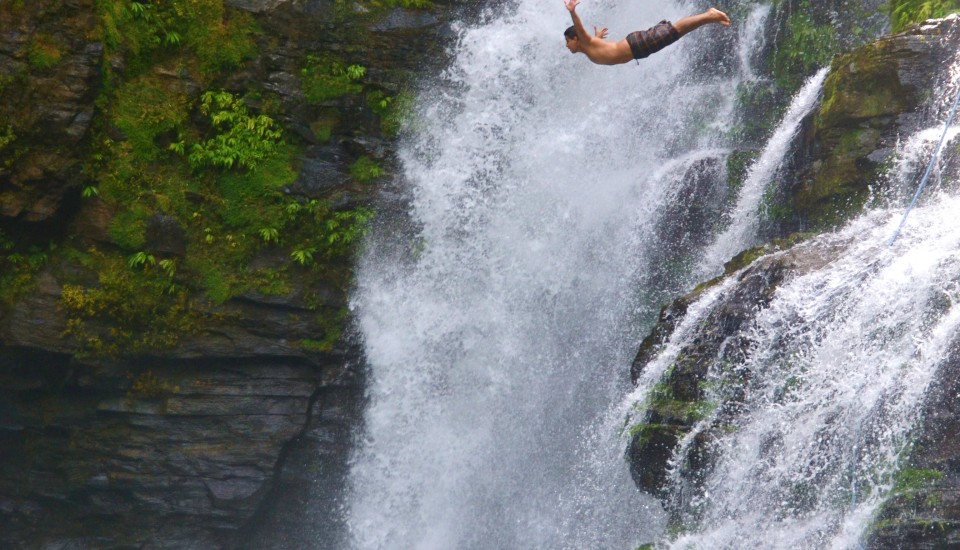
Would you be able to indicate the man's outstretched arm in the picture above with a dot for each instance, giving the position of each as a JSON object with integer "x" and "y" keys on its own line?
{"x": 581, "y": 32}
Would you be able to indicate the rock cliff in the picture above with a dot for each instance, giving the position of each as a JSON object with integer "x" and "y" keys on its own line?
{"x": 173, "y": 375}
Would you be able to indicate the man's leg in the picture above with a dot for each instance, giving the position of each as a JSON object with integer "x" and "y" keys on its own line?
{"x": 693, "y": 22}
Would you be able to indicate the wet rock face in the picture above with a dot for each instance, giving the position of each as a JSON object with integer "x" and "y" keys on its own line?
{"x": 924, "y": 509}
{"x": 118, "y": 455}
{"x": 49, "y": 75}
{"x": 675, "y": 407}
{"x": 872, "y": 97}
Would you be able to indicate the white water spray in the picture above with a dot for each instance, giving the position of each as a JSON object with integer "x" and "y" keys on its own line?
{"x": 839, "y": 363}
{"x": 496, "y": 350}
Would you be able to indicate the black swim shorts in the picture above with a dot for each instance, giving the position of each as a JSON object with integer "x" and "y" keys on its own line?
{"x": 652, "y": 40}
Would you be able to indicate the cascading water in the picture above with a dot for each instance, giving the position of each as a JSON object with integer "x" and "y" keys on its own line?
{"x": 839, "y": 362}
{"x": 498, "y": 338}
{"x": 836, "y": 367}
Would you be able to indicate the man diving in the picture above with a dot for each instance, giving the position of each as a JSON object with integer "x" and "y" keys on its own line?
{"x": 636, "y": 45}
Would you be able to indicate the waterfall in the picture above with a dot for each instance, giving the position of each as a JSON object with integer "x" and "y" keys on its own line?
{"x": 500, "y": 313}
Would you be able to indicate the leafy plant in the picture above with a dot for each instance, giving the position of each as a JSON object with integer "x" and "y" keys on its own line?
{"x": 150, "y": 386}
{"x": 242, "y": 140}
{"x": 907, "y": 12}
{"x": 18, "y": 268}
{"x": 218, "y": 37}
{"x": 303, "y": 256}
{"x": 141, "y": 259}
{"x": 808, "y": 45}
{"x": 269, "y": 234}
{"x": 365, "y": 169}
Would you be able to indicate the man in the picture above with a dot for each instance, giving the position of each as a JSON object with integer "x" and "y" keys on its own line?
{"x": 636, "y": 45}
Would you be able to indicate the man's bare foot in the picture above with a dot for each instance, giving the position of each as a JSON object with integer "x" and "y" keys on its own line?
{"x": 718, "y": 16}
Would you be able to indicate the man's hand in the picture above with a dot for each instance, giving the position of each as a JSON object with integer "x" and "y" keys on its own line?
{"x": 571, "y": 4}
{"x": 602, "y": 33}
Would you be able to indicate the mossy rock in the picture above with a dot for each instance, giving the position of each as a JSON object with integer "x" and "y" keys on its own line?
{"x": 852, "y": 132}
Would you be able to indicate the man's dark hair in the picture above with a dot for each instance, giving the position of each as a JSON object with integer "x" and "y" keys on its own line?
{"x": 571, "y": 32}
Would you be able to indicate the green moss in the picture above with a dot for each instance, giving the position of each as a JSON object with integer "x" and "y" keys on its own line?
{"x": 641, "y": 434}
{"x": 252, "y": 198}
{"x": 910, "y": 480}
{"x": 392, "y": 110}
{"x": 761, "y": 110}
{"x": 129, "y": 226}
{"x": 145, "y": 108}
{"x": 18, "y": 269}
{"x": 43, "y": 53}
{"x": 7, "y": 137}
{"x": 131, "y": 310}
{"x": 325, "y": 77}
{"x": 738, "y": 165}
{"x": 215, "y": 36}
{"x": 147, "y": 385}
{"x": 863, "y": 84}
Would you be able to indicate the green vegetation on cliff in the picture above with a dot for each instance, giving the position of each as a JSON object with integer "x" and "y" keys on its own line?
{"x": 908, "y": 12}
{"x": 196, "y": 168}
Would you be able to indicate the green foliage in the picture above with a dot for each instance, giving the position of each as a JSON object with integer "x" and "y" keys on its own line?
{"x": 130, "y": 311}
{"x": 141, "y": 259}
{"x": 329, "y": 234}
{"x": 7, "y": 136}
{"x": 807, "y": 45}
{"x": 241, "y": 139}
{"x": 216, "y": 37}
{"x": 907, "y": 12}
{"x": 144, "y": 109}
{"x": 325, "y": 77}
{"x": 391, "y": 110}
{"x": 18, "y": 269}
{"x": 253, "y": 197}
{"x": 365, "y": 169}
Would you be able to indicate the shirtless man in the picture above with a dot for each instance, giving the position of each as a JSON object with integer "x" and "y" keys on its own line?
{"x": 636, "y": 45}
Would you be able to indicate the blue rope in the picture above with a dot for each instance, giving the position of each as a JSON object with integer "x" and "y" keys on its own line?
{"x": 933, "y": 160}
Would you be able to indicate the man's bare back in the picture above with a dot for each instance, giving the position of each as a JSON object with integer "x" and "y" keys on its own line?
{"x": 636, "y": 45}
